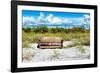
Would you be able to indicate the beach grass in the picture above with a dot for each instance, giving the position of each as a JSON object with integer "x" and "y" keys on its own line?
{"x": 79, "y": 38}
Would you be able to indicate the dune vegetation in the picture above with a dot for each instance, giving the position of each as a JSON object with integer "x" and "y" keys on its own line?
{"x": 78, "y": 35}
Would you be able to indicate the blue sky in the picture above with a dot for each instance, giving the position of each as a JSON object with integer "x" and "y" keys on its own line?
{"x": 58, "y": 14}
{"x": 50, "y": 17}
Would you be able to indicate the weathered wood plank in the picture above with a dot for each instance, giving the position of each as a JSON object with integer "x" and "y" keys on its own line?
{"x": 50, "y": 42}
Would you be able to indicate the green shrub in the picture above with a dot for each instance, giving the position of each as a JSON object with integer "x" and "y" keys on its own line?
{"x": 75, "y": 29}
{"x": 36, "y": 30}
{"x": 41, "y": 29}
{"x": 44, "y": 29}
{"x": 60, "y": 29}
{"x": 27, "y": 29}
{"x": 53, "y": 30}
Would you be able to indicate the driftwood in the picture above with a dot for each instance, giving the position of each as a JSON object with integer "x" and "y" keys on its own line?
{"x": 50, "y": 42}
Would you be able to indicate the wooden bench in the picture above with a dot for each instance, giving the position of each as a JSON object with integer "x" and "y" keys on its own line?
{"x": 50, "y": 42}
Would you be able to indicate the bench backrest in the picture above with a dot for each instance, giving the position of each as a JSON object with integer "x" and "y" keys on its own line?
{"x": 51, "y": 40}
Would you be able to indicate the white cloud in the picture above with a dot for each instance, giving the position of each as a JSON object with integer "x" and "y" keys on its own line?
{"x": 41, "y": 16}
{"x": 49, "y": 17}
{"x": 86, "y": 16}
{"x": 86, "y": 19}
{"x": 27, "y": 20}
{"x": 56, "y": 20}
{"x": 53, "y": 19}
{"x": 66, "y": 20}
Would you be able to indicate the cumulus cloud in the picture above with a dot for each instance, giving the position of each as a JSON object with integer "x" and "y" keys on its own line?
{"x": 41, "y": 19}
{"x": 28, "y": 19}
{"x": 49, "y": 17}
{"x": 73, "y": 21}
{"x": 86, "y": 19}
{"x": 86, "y": 16}
{"x": 52, "y": 19}
{"x": 56, "y": 20}
{"x": 41, "y": 16}
{"x": 66, "y": 20}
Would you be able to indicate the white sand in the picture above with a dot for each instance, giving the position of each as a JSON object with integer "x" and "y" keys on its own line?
{"x": 73, "y": 53}
{"x": 66, "y": 43}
